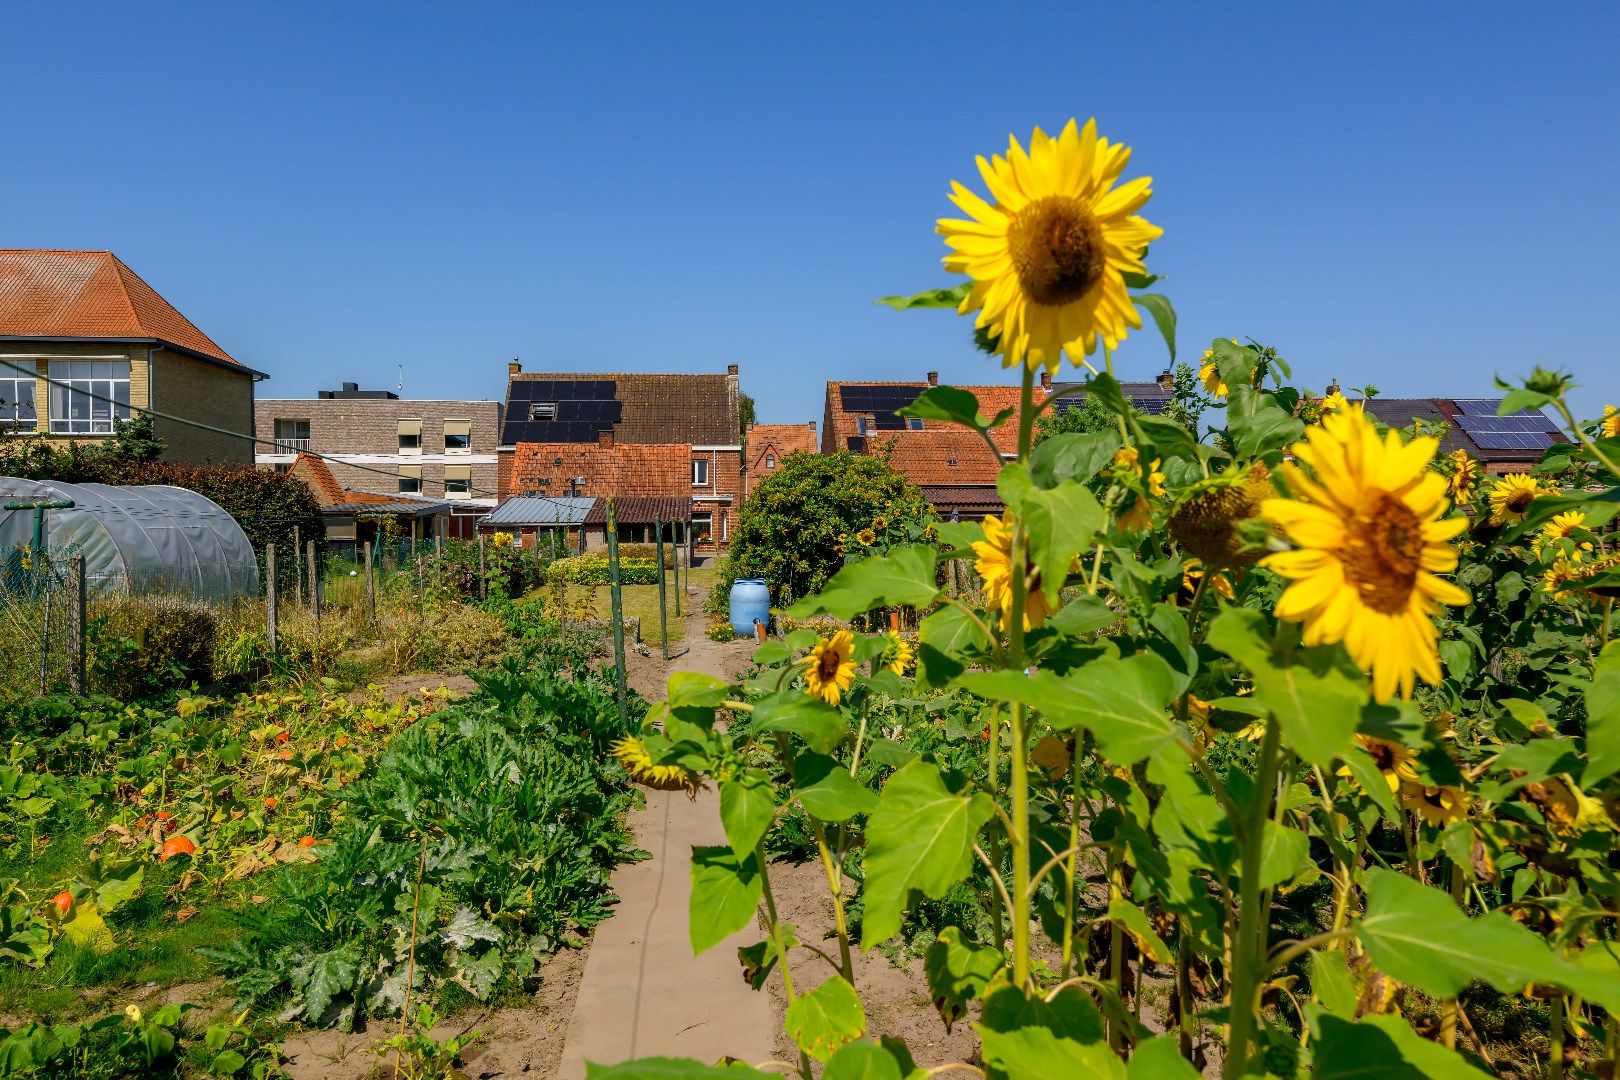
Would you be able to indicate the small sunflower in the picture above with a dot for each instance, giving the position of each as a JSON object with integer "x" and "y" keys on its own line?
{"x": 1464, "y": 480}
{"x": 1609, "y": 426}
{"x": 898, "y": 654}
{"x": 829, "y": 670}
{"x": 1049, "y": 254}
{"x": 1393, "y": 759}
{"x": 880, "y": 523}
{"x": 631, "y": 753}
{"x": 866, "y": 537}
{"x": 1511, "y": 497}
{"x": 1209, "y": 373}
{"x": 1436, "y": 805}
{"x": 1370, "y": 538}
{"x": 993, "y": 561}
{"x": 1335, "y": 402}
{"x": 1193, "y": 572}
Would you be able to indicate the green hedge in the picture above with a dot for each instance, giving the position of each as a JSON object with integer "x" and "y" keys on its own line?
{"x": 593, "y": 570}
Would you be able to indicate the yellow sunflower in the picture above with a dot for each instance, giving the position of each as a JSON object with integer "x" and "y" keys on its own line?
{"x": 1209, "y": 373}
{"x": 1335, "y": 402}
{"x": 1561, "y": 527}
{"x": 1370, "y": 538}
{"x": 1393, "y": 759}
{"x": 1435, "y": 805}
{"x": 880, "y": 523}
{"x": 1511, "y": 497}
{"x": 1610, "y": 425}
{"x": 631, "y": 753}
{"x": 898, "y": 654}
{"x": 993, "y": 561}
{"x": 829, "y": 670}
{"x": 1049, "y": 253}
{"x": 1464, "y": 479}
{"x": 1193, "y": 571}
{"x": 867, "y": 537}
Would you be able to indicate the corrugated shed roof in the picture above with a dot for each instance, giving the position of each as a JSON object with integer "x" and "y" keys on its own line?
{"x": 532, "y": 510}
{"x": 641, "y": 510}
{"x": 90, "y": 294}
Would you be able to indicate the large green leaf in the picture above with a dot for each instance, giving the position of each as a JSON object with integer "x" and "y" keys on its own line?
{"x": 726, "y": 892}
{"x": 903, "y": 576}
{"x": 863, "y": 1060}
{"x": 746, "y": 809}
{"x": 1164, "y": 317}
{"x": 920, "y": 839}
{"x": 1331, "y": 983}
{"x": 826, "y": 1018}
{"x": 957, "y": 972}
{"x": 827, "y": 791}
{"x": 1313, "y": 694}
{"x": 1282, "y": 852}
{"x": 1418, "y": 935}
{"x": 1603, "y": 717}
{"x": 1258, "y": 425}
{"x": 662, "y": 1068}
{"x": 1134, "y": 921}
{"x": 1059, "y": 523}
{"x": 928, "y": 298}
{"x": 1380, "y": 1048}
{"x": 942, "y": 639}
{"x": 955, "y": 406}
{"x": 1035, "y": 1053}
{"x": 1075, "y": 456}
{"x": 1159, "y": 1059}
{"x": 821, "y": 726}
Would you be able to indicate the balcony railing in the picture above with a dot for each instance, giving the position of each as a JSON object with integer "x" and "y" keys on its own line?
{"x": 291, "y": 446}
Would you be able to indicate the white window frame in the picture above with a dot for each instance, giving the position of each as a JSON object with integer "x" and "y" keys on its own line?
{"x": 291, "y": 444}
{"x": 538, "y": 409}
{"x": 11, "y": 421}
{"x": 406, "y": 449}
{"x": 701, "y": 476}
{"x": 699, "y": 534}
{"x": 74, "y": 381}
{"x": 770, "y": 461}
{"x": 467, "y": 434}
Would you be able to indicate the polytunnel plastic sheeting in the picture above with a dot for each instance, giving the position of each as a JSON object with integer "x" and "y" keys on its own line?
{"x": 138, "y": 539}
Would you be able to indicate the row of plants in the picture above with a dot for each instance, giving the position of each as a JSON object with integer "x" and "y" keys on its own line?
{"x": 1296, "y": 741}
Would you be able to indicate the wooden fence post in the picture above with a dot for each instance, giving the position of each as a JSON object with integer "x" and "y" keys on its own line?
{"x": 483, "y": 585}
{"x": 663, "y": 613}
{"x": 618, "y": 610}
{"x": 371, "y": 587}
{"x": 270, "y": 595}
{"x": 314, "y": 581}
{"x": 298, "y": 566}
{"x": 77, "y": 637}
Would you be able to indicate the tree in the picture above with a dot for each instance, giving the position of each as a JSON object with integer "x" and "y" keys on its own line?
{"x": 797, "y": 526}
{"x": 745, "y": 413}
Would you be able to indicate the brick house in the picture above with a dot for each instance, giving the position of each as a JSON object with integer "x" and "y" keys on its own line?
{"x": 84, "y": 343}
{"x": 354, "y": 517}
{"x": 375, "y": 441}
{"x": 768, "y": 444}
{"x": 640, "y": 478}
{"x": 1503, "y": 444}
{"x": 622, "y": 435}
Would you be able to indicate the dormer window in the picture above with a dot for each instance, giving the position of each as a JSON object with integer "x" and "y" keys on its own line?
{"x": 914, "y": 423}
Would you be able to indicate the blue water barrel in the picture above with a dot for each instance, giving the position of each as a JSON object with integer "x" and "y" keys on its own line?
{"x": 750, "y": 600}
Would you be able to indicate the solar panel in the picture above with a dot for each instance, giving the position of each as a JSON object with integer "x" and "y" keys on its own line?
{"x": 1524, "y": 425}
{"x": 883, "y": 402}
{"x": 1511, "y": 441}
{"x": 1484, "y": 407}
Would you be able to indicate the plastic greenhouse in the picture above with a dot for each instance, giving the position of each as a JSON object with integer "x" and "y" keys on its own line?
{"x": 134, "y": 539}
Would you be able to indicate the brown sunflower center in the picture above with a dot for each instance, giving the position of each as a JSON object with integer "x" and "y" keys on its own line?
{"x": 1382, "y": 554}
{"x": 829, "y": 665}
{"x": 1519, "y": 501}
{"x": 1057, "y": 249}
{"x": 1383, "y": 755}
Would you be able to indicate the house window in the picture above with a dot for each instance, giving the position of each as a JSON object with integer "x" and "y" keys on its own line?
{"x": 410, "y": 479}
{"x": 88, "y": 396}
{"x": 542, "y": 410}
{"x": 292, "y": 436}
{"x": 17, "y": 405}
{"x": 458, "y": 436}
{"x": 770, "y": 461}
{"x": 860, "y": 425}
{"x": 700, "y": 472}
{"x": 914, "y": 423}
{"x": 410, "y": 436}
{"x": 702, "y": 525}
{"x": 458, "y": 481}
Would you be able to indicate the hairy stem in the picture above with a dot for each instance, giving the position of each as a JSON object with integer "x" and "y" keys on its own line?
{"x": 1249, "y": 945}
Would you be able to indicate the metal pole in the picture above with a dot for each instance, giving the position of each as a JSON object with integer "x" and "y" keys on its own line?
{"x": 76, "y": 624}
{"x": 675, "y": 563}
{"x": 298, "y": 566}
{"x": 483, "y": 584}
{"x": 618, "y": 610}
{"x": 270, "y": 595}
{"x": 663, "y": 613}
{"x": 314, "y": 582}
{"x": 371, "y": 587}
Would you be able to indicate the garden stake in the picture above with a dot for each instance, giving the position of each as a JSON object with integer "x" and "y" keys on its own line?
{"x": 483, "y": 582}
{"x": 675, "y": 567}
{"x": 298, "y": 566}
{"x": 371, "y": 587}
{"x": 618, "y": 610}
{"x": 270, "y": 595}
{"x": 663, "y": 613}
{"x": 314, "y": 584}
{"x": 76, "y": 624}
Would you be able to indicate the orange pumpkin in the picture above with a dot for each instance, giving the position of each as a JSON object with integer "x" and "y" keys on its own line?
{"x": 306, "y": 841}
{"x": 270, "y": 803}
{"x": 177, "y": 845}
{"x": 62, "y": 901}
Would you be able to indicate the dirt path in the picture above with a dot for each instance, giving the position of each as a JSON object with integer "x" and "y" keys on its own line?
{"x": 644, "y": 993}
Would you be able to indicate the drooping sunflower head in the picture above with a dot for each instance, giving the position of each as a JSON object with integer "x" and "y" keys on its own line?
{"x": 829, "y": 670}
{"x": 1192, "y": 572}
{"x": 1464, "y": 480}
{"x": 992, "y": 558}
{"x": 1209, "y": 373}
{"x": 1511, "y": 497}
{"x": 1370, "y": 539}
{"x": 1205, "y": 522}
{"x": 1049, "y": 253}
{"x": 898, "y": 654}
{"x": 632, "y": 754}
{"x": 1609, "y": 427}
{"x": 1394, "y": 760}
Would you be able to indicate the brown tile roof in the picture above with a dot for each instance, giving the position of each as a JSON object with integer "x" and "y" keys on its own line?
{"x": 653, "y": 409}
{"x": 968, "y": 500}
{"x": 331, "y": 495}
{"x": 942, "y": 455}
{"x": 661, "y": 470}
{"x": 641, "y": 510}
{"x": 839, "y": 427}
{"x": 780, "y": 440}
{"x": 90, "y": 294}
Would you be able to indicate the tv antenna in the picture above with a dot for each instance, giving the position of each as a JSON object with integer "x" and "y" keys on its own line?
{"x": 401, "y": 388}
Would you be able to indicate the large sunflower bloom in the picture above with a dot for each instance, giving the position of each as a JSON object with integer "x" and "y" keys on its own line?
{"x": 993, "y": 561}
{"x": 1048, "y": 255}
{"x": 1511, "y": 497}
{"x": 829, "y": 670}
{"x": 1369, "y": 541}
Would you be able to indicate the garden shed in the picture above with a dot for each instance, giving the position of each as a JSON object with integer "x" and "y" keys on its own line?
{"x": 137, "y": 539}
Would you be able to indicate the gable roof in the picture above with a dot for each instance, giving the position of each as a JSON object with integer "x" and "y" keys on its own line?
{"x": 651, "y": 409}
{"x": 48, "y": 294}
{"x": 847, "y": 401}
{"x": 780, "y": 439}
{"x": 952, "y": 456}
{"x": 333, "y": 497}
{"x": 621, "y": 471}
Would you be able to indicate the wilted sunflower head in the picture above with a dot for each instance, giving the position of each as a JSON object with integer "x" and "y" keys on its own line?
{"x": 1511, "y": 497}
{"x": 1205, "y": 520}
{"x": 1049, "y": 253}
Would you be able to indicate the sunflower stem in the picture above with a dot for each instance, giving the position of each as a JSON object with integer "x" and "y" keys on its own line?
{"x": 1249, "y": 945}
{"x": 994, "y": 731}
{"x": 1019, "y": 778}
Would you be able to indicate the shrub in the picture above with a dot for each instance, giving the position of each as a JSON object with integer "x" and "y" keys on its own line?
{"x": 594, "y": 570}
{"x": 145, "y": 646}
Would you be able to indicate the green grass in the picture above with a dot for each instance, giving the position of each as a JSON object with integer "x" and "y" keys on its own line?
{"x": 641, "y": 601}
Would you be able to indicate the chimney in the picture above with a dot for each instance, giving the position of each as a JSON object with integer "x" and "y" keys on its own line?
{"x": 1166, "y": 381}
{"x": 933, "y": 378}
{"x": 351, "y": 386}
{"x": 731, "y": 369}
{"x": 1046, "y": 380}
{"x": 514, "y": 367}
{"x": 604, "y": 437}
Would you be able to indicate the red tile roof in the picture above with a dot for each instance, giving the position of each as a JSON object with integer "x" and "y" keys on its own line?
{"x": 330, "y": 494}
{"x": 663, "y": 469}
{"x": 779, "y": 440}
{"x": 941, "y": 455}
{"x": 641, "y": 510}
{"x": 90, "y": 294}
{"x": 838, "y": 424}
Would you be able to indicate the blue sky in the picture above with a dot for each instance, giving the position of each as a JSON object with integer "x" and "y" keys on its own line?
{"x": 1417, "y": 196}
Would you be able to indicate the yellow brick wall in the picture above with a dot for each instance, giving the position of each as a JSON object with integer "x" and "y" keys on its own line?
{"x": 207, "y": 393}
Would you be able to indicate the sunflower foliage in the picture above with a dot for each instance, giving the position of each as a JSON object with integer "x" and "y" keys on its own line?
{"x": 1299, "y": 740}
